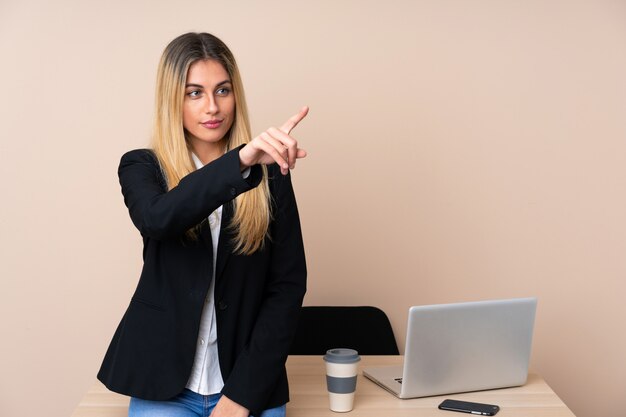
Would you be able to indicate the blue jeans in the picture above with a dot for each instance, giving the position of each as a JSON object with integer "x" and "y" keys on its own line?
{"x": 186, "y": 404}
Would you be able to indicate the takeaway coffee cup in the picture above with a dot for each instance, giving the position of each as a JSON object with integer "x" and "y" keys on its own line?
{"x": 341, "y": 371}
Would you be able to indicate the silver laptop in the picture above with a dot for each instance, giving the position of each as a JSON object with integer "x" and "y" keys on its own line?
{"x": 462, "y": 347}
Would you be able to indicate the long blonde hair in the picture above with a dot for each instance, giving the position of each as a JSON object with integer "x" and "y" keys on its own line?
{"x": 252, "y": 210}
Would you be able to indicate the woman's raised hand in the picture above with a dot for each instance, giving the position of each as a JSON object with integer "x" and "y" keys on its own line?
{"x": 275, "y": 145}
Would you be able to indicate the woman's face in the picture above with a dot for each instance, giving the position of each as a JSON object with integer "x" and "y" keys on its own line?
{"x": 209, "y": 105}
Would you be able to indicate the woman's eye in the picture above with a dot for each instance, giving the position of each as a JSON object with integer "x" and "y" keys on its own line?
{"x": 194, "y": 93}
{"x": 223, "y": 91}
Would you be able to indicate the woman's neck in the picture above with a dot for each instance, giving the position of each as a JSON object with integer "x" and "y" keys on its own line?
{"x": 208, "y": 152}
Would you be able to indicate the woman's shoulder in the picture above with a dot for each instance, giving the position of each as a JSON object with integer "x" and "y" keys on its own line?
{"x": 274, "y": 176}
{"x": 139, "y": 155}
{"x": 277, "y": 182}
{"x": 139, "y": 159}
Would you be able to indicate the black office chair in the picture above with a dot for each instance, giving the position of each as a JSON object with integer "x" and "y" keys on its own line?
{"x": 366, "y": 329}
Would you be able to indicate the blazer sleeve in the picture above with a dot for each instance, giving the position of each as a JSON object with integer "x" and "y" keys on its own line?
{"x": 162, "y": 214}
{"x": 262, "y": 362}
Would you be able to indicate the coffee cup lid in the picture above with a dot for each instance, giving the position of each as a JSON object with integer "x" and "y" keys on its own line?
{"x": 342, "y": 355}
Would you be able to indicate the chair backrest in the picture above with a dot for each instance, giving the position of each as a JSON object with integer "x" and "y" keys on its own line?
{"x": 366, "y": 329}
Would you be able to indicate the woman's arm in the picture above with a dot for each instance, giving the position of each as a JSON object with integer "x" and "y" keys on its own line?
{"x": 162, "y": 214}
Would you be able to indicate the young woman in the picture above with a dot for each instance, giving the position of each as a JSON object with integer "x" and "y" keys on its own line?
{"x": 209, "y": 327}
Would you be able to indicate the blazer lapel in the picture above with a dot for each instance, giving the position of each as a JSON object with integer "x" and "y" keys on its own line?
{"x": 205, "y": 236}
{"x": 224, "y": 245}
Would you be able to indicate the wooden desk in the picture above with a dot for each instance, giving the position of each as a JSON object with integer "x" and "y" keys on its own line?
{"x": 309, "y": 397}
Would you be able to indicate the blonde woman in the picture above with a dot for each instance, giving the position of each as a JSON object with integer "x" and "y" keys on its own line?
{"x": 209, "y": 327}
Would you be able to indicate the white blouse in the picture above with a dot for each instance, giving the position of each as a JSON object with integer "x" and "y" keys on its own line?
{"x": 206, "y": 377}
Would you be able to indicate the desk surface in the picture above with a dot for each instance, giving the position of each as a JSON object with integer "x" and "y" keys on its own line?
{"x": 309, "y": 397}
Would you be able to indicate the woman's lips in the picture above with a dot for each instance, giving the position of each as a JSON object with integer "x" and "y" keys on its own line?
{"x": 212, "y": 124}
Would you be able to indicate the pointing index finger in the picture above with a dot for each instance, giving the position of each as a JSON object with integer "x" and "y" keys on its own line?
{"x": 293, "y": 121}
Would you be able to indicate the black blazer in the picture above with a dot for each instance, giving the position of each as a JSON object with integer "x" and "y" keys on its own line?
{"x": 257, "y": 297}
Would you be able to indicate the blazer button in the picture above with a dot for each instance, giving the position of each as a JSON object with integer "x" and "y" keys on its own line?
{"x": 233, "y": 192}
{"x": 222, "y": 305}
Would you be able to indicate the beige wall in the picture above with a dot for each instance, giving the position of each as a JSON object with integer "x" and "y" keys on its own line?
{"x": 459, "y": 150}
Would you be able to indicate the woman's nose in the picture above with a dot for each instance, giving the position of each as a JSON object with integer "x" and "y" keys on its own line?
{"x": 211, "y": 105}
